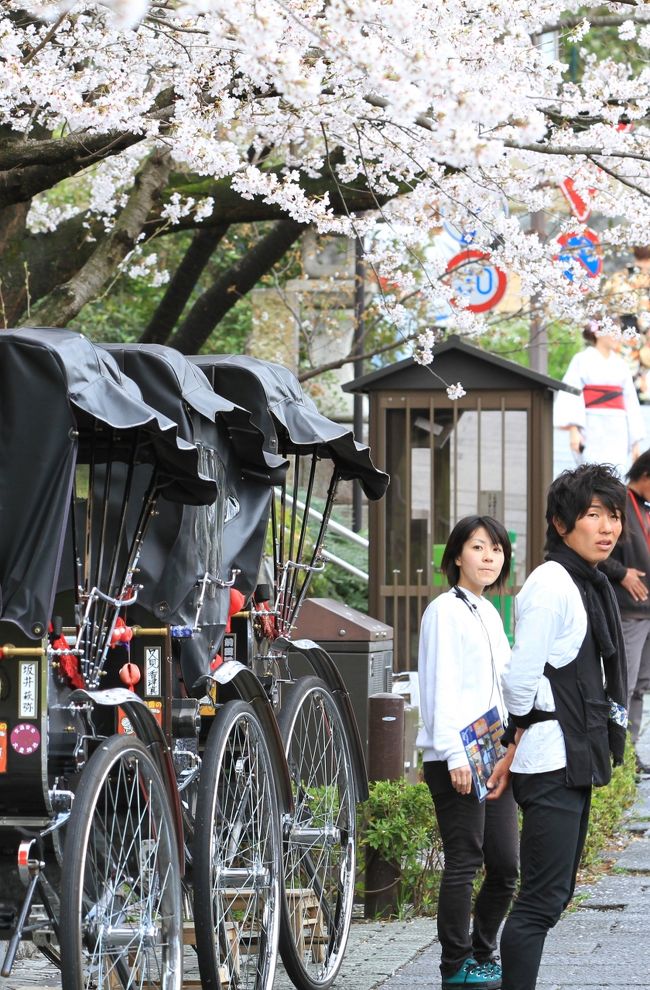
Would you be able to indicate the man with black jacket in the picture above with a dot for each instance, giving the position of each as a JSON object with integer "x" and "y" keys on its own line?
{"x": 628, "y": 569}
{"x": 565, "y": 688}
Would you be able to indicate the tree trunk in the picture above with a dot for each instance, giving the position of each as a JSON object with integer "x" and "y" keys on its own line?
{"x": 231, "y": 285}
{"x": 13, "y": 278}
{"x": 182, "y": 285}
{"x": 64, "y": 302}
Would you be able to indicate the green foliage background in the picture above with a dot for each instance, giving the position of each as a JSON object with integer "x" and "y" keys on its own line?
{"x": 511, "y": 341}
{"x": 123, "y": 311}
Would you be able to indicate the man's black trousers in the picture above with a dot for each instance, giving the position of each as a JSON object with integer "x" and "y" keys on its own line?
{"x": 555, "y": 820}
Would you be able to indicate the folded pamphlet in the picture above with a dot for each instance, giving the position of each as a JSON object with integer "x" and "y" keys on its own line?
{"x": 482, "y": 742}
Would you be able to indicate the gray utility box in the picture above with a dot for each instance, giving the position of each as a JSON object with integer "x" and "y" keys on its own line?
{"x": 360, "y": 646}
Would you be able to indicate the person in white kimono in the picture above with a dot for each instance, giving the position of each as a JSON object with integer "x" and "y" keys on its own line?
{"x": 604, "y": 421}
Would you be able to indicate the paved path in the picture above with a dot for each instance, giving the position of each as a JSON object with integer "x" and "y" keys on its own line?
{"x": 604, "y": 942}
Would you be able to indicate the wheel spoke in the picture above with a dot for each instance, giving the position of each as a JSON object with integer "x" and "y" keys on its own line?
{"x": 319, "y": 848}
{"x": 121, "y": 886}
{"x": 237, "y": 856}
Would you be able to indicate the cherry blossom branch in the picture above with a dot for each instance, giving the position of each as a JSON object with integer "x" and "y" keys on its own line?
{"x": 355, "y": 355}
{"x": 596, "y": 20}
{"x": 569, "y": 152}
{"x": 82, "y": 149}
{"x": 46, "y": 40}
{"x": 619, "y": 178}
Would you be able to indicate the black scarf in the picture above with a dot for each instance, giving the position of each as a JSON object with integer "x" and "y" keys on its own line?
{"x": 605, "y": 621}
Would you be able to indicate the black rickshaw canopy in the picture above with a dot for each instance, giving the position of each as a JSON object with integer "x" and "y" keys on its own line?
{"x": 193, "y": 553}
{"x": 61, "y": 398}
{"x": 177, "y": 387}
{"x": 288, "y": 417}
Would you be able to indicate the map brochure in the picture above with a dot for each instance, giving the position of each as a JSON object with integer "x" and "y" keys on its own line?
{"x": 482, "y": 742}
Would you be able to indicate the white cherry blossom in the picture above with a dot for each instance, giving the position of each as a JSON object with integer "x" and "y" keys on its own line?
{"x": 449, "y": 112}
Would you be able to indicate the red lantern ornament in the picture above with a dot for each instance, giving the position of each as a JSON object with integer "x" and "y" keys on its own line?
{"x": 130, "y": 675}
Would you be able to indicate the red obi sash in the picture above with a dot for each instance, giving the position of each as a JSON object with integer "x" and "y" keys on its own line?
{"x": 603, "y": 397}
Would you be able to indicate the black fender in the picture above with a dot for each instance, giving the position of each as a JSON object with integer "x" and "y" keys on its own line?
{"x": 146, "y": 728}
{"x": 249, "y": 688}
{"x": 325, "y": 668}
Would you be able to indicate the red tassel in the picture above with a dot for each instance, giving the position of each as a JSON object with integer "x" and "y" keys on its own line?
{"x": 68, "y": 663}
{"x": 121, "y": 635}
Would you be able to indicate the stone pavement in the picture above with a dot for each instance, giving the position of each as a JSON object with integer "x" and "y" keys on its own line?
{"x": 604, "y": 941}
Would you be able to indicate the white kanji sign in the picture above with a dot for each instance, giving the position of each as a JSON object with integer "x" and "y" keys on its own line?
{"x": 152, "y": 671}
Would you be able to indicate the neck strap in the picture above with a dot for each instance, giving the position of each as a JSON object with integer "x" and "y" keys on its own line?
{"x": 459, "y": 593}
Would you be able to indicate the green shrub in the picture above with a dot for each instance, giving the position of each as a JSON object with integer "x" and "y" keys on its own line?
{"x": 608, "y": 805}
{"x": 398, "y": 824}
{"x": 337, "y": 583}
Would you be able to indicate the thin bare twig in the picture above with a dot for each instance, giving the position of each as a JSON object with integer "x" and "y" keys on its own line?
{"x": 354, "y": 355}
{"x": 47, "y": 38}
{"x": 619, "y": 178}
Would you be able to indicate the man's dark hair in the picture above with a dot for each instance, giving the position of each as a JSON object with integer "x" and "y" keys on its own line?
{"x": 461, "y": 533}
{"x": 572, "y": 492}
{"x": 640, "y": 468}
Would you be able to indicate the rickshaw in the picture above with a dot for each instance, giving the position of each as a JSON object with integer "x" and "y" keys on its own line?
{"x": 319, "y": 732}
{"x": 149, "y": 797}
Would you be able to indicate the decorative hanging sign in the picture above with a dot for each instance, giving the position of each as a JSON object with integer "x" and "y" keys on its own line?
{"x": 28, "y": 689}
{"x": 152, "y": 662}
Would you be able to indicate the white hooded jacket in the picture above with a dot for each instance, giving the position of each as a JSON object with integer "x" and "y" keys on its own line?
{"x": 463, "y": 652}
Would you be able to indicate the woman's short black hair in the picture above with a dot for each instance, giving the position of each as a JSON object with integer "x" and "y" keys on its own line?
{"x": 572, "y": 492}
{"x": 640, "y": 468}
{"x": 461, "y": 533}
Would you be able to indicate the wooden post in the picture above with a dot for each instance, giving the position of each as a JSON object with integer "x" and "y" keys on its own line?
{"x": 385, "y": 762}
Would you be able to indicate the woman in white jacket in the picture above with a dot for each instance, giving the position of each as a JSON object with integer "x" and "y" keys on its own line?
{"x": 463, "y": 650}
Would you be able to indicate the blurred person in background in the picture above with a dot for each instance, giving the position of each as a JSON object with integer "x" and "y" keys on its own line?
{"x": 628, "y": 569}
{"x": 626, "y": 297}
{"x": 604, "y": 420}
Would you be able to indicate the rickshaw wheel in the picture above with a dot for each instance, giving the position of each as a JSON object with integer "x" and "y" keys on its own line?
{"x": 120, "y": 923}
{"x": 237, "y": 855}
{"x": 320, "y": 843}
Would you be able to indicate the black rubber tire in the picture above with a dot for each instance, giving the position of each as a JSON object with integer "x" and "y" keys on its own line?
{"x": 319, "y": 843}
{"x": 120, "y": 919}
{"x": 237, "y": 855}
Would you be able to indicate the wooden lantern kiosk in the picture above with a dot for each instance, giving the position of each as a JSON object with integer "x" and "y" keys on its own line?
{"x": 490, "y": 452}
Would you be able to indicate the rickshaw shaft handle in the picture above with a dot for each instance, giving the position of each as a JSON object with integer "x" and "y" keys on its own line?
{"x": 9, "y": 650}
{"x": 137, "y": 631}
